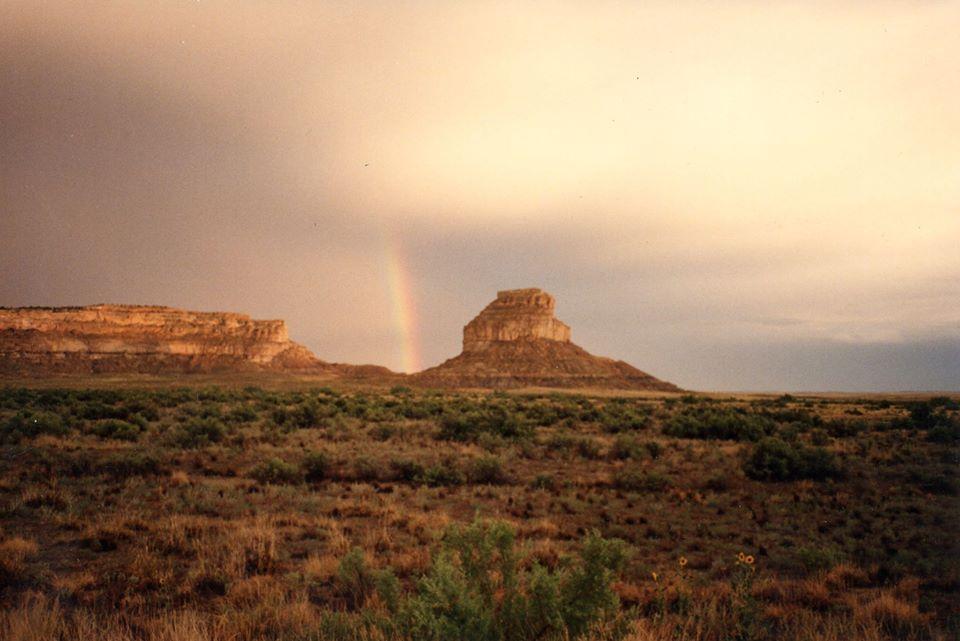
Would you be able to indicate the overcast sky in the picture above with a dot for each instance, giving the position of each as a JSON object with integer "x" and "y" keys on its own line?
{"x": 729, "y": 195}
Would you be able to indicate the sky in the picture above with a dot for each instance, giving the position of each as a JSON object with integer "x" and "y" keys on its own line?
{"x": 742, "y": 195}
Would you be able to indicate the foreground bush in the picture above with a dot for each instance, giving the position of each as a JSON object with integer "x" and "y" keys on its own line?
{"x": 719, "y": 423}
{"x": 275, "y": 471}
{"x": 776, "y": 460}
{"x": 477, "y": 589}
{"x": 29, "y": 424}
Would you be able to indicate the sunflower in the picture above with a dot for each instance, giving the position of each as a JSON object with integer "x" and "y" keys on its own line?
{"x": 683, "y": 561}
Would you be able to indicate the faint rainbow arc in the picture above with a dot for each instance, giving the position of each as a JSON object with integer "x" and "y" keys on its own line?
{"x": 403, "y": 304}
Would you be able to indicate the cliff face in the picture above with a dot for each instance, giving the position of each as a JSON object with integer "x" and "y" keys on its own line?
{"x": 148, "y": 339}
{"x": 516, "y": 315}
{"x": 516, "y": 342}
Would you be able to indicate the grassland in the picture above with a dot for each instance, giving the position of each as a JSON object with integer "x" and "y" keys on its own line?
{"x": 241, "y": 513}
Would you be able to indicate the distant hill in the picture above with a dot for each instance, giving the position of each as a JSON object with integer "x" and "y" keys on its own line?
{"x": 516, "y": 342}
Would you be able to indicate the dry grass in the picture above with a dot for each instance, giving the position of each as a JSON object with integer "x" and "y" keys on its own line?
{"x": 190, "y": 547}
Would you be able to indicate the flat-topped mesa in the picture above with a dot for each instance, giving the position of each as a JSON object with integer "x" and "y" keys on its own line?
{"x": 516, "y": 342}
{"x": 143, "y": 338}
{"x": 515, "y": 315}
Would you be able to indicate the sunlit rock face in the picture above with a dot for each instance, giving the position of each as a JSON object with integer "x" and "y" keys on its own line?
{"x": 516, "y": 314}
{"x": 139, "y": 338}
{"x": 516, "y": 342}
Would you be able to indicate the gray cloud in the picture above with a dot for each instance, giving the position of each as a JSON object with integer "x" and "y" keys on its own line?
{"x": 719, "y": 205}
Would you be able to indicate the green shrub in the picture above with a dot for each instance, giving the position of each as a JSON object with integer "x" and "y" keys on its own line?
{"x": 634, "y": 480}
{"x": 714, "y": 423}
{"x": 383, "y": 432}
{"x": 487, "y": 470}
{"x": 443, "y": 474}
{"x": 774, "y": 459}
{"x": 407, "y": 471}
{"x": 544, "y": 482}
{"x": 356, "y": 579}
{"x": 315, "y": 466}
{"x": 117, "y": 429}
{"x": 654, "y": 449}
{"x": 589, "y": 448}
{"x": 275, "y": 471}
{"x": 629, "y": 447}
{"x": 496, "y": 419}
{"x": 623, "y": 418}
{"x": 25, "y": 424}
{"x": 129, "y": 464}
{"x": 198, "y": 432}
{"x": 242, "y": 414}
{"x": 477, "y": 589}
{"x": 365, "y": 469}
{"x": 945, "y": 432}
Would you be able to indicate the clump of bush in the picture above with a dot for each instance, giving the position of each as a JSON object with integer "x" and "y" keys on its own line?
{"x": 358, "y": 581}
{"x": 477, "y": 588}
{"x": 774, "y": 459}
{"x": 315, "y": 466}
{"x": 487, "y": 470}
{"x": 467, "y": 425}
{"x": 634, "y": 480}
{"x": 444, "y": 473}
{"x": 116, "y": 429}
{"x": 198, "y": 432}
{"x": 27, "y": 424}
{"x": 629, "y": 447}
{"x": 129, "y": 464}
{"x": 276, "y": 472}
{"x": 715, "y": 423}
{"x": 620, "y": 417}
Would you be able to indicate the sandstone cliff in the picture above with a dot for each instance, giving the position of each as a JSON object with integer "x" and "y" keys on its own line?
{"x": 516, "y": 342}
{"x": 143, "y": 339}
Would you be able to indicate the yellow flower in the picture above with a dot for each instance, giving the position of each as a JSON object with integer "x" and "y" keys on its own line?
{"x": 655, "y": 577}
{"x": 683, "y": 561}
{"x": 748, "y": 560}
{"x": 741, "y": 557}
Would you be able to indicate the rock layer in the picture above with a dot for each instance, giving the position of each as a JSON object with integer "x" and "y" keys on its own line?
{"x": 143, "y": 339}
{"x": 516, "y": 342}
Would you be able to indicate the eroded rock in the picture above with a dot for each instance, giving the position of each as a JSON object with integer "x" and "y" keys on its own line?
{"x": 144, "y": 339}
{"x": 516, "y": 342}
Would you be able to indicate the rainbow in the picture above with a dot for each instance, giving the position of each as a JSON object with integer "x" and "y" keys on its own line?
{"x": 403, "y": 306}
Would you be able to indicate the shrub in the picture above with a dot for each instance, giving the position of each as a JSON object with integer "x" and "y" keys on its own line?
{"x": 625, "y": 447}
{"x": 117, "y": 429}
{"x": 408, "y": 471}
{"x": 622, "y": 418}
{"x": 365, "y": 470}
{"x": 315, "y": 466}
{"x": 30, "y": 424}
{"x": 478, "y": 589}
{"x": 496, "y": 419}
{"x": 639, "y": 481}
{"x": 129, "y": 464}
{"x": 355, "y": 577}
{"x": 198, "y": 432}
{"x": 383, "y": 432}
{"x": 443, "y": 474}
{"x": 588, "y": 448}
{"x": 487, "y": 470}
{"x": 945, "y": 433}
{"x": 774, "y": 459}
{"x": 718, "y": 423}
{"x": 275, "y": 471}
{"x": 544, "y": 482}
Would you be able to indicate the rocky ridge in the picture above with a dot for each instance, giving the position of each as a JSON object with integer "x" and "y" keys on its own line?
{"x": 144, "y": 339}
{"x": 516, "y": 342}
